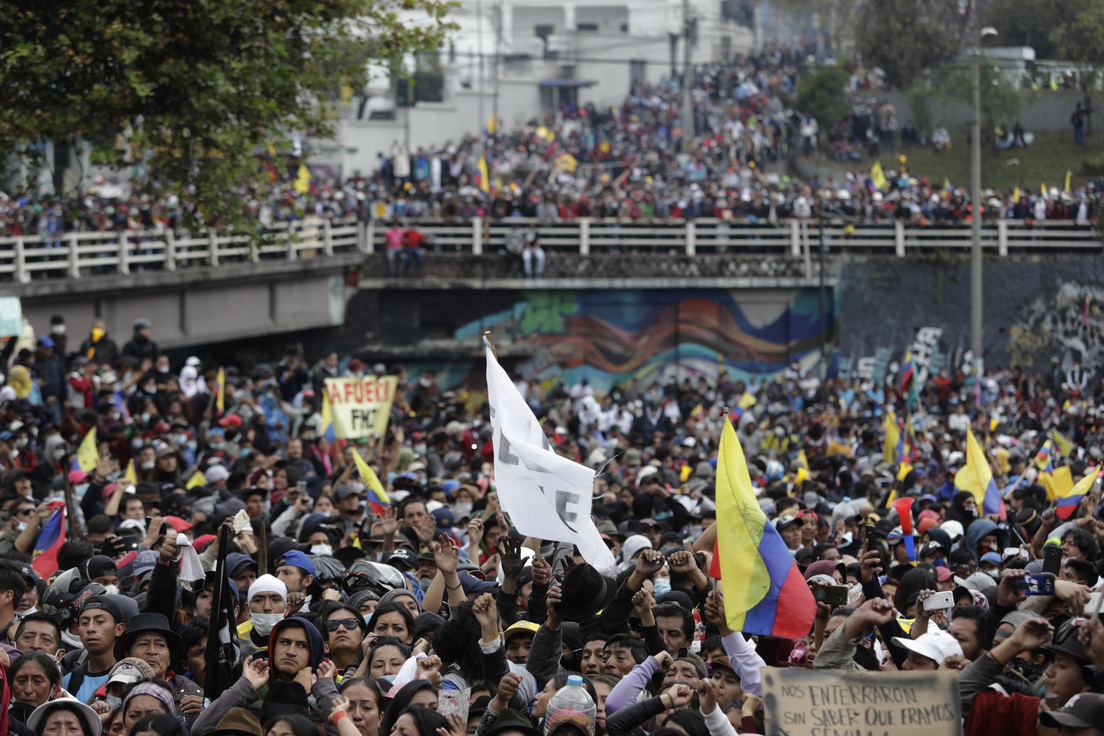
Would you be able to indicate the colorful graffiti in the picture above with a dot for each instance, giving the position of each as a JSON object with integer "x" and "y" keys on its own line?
{"x": 645, "y": 335}
{"x": 1068, "y": 324}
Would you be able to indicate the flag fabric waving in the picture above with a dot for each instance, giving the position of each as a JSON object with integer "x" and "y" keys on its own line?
{"x": 199, "y": 480}
{"x": 220, "y": 397}
{"x": 327, "y": 428}
{"x": 1068, "y": 502}
{"x": 977, "y": 477}
{"x": 88, "y": 455}
{"x": 547, "y": 496}
{"x": 377, "y": 494}
{"x": 878, "y": 179}
{"x": 764, "y": 592}
{"x": 50, "y": 539}
{"x": 892, "y": 439}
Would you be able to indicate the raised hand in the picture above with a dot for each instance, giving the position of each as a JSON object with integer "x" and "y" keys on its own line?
{"x": 389, "y": 522}
{"x": 1032, "y": 634}
{"x": 715, "y": 613}
{"x": 446, "y": 554}
{"x": 327, "y": 670}
{"x": 682, "y": 562}
{"x": 486, "y": 613}
{"x": 512, "y": 563}
{"x": 507, "y": 686}
{"x": 255, "y": 672}
{"x": 677, "y": 696}
{"x": 542, "y": 571}
{"x": 870, "y": 564}
{"x": 649, "y": 562}
{"x": 551, "y": 601}
{"x": 707, "y": 696}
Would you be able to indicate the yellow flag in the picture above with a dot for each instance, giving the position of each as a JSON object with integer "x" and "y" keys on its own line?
{"x": 88, "y": 455}
{"x": 131, "y": 474}
{"x": 1057, "y": 484}
{"x": 302, "y": 179}
{"x": 199, "y": 479}
{"x": 484, "y": 179}
{"x": 492, "y": 125}
{"x": 747, "y": 400}
{"x": 877, "y": 176}
{"x": 1016, "y": 195}
{"x": 1043, "y": 189}
{"x": 375, "y": 488}
{"x": 220, "y": 397}
{"x": 1067, "y": 181}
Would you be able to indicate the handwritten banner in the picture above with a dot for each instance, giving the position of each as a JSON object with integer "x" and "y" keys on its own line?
{"x": 361, "y": 406}
{"x": 799, "y": 702}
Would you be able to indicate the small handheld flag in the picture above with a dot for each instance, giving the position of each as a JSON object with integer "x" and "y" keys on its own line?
{"x": 50, "y": 539}
{"x": 199, "y": 479}
{"x": 88, "y": 454}
{"x": 1068, "y": 503}
{"x": 220, "y": 397}
{"x": 377, "y": 496}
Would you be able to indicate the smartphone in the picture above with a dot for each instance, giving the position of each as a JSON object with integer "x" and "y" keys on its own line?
{"x": 939, "y": 601}
{"x": 302, "y": 486}
{"x": 833, "y": 595}
{"x": 1052, "y": 560}
{"x": 1036, "y": 584}
{"x": 870, "y": 532}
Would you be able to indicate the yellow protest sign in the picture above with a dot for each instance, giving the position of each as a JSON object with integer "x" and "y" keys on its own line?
{"x": 360, "y": 406}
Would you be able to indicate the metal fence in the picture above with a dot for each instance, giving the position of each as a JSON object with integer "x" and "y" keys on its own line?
{"x": 92, "y": 254}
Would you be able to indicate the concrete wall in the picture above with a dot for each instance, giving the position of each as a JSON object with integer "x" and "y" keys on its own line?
{"x": 202, "y": 306}
{"x": 1033, "y": 309}
{"x": 1044, "y": 112}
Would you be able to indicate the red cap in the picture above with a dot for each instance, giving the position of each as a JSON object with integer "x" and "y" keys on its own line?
{"x": 201, "y": 543}
{"x": 232, "y": 420}
{"x": 178, "y": 524}
{"x": 77, "y": 476}
{"x": 109, "y": 489}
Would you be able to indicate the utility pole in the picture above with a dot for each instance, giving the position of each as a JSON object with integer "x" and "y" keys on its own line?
{"x": 976, "y": 342}
{"x": 479, "y": 51}
{"x": 688, "y": 125}
{"x": 497, "y": 60}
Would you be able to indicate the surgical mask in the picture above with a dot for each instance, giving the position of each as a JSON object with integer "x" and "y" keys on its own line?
{"x": 59, "y": 329}
{"x": 662, "y": 585}
{"x": 389, "y": 678}
{"x": 20, "y": 526}
{"x": 145, "y": 417}
{"x": 217, "y": 445}
{"x": 263, "y": 623}
{"x": 21, "y": 442}
{"x": 28, "y": 612}
{"x": 114, "y": 703}
{"x": 148, "y": 464}
{"x": 112, "y": 589}
{"x": 180, "y": 439}
{"x": 366, "y": 616}
{"x": 137, "y": 443}
{"x": 420, "y": 448}
{"x": 461, "y": 509}
{"x": 694, "y": 532}
{"x": 321, "y": 549}
{"x": 59, "y": 453}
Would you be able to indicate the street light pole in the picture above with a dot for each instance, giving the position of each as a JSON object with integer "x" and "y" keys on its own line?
{"x": 976, "y": 343}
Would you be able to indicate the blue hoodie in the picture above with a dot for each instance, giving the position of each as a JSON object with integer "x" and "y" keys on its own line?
{"x": 314, "y": 640}
{"x": 979, "y": 529}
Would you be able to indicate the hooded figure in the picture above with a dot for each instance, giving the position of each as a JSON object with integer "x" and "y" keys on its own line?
{"x": 960, "y": 513}
{"x": 981, "y": 529}
{"x": 281, "y": 658}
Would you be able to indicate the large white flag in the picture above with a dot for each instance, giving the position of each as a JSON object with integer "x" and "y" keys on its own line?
{"x": 546, "y": 495}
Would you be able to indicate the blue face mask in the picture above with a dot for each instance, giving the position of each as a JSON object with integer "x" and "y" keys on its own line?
{"x": 389, "y": 678}
{"x": 662, "y": 585}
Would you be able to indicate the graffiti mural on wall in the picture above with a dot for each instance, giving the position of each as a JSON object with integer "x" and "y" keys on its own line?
{"x": 645, "y": 335}
{"x": 1068, "y": 323}
{"x": 931, "y": 352}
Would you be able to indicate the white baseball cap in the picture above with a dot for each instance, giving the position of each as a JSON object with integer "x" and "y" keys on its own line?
{"x": 935, "y": 645}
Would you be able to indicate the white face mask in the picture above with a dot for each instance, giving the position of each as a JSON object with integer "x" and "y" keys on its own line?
{"x": 263, "y": 623}
{"x": 59, "y": 329}
{"x": 28, "y": 612}
{"x": 21, "y": 526}
{"x": 460, "y": 509}
{"x": 321, "y": 549}
{"x": 112, "y": 589}
{"x": 148, "y": 464}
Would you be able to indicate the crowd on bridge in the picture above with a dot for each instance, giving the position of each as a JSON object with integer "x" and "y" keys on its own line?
{"x": 633, "y": 161}
{"x": 378, "y": 587}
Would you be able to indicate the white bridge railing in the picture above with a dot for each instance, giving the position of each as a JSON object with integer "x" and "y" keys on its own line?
{"x": 91, "y": 254}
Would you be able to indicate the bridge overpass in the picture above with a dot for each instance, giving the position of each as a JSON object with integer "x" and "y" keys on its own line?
{"x": 611, "y": 290}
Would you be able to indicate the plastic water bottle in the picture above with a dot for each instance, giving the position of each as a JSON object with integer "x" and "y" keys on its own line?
{"x": 572, "y": 697}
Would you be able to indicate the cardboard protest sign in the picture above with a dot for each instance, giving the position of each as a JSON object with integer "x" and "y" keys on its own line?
{"x": 800, "y": 702}
{"x": 361, "y": 406}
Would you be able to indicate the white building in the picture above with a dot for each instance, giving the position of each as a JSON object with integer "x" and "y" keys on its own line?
{"x": 519, "y": 59}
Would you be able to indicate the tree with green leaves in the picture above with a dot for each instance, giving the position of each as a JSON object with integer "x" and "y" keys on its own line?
{"x": 952, "y": 83}
{"x": 1080, "y": 38}
{"x": 905, "y": 37}
{"x": 191, "y": 88}
{"x": 823, "y": 95}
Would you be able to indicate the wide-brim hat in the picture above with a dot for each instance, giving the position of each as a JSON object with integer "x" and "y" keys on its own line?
{"x": 91, "y": 719}
{"x": 145, "y": 623}
{"x": 585, "y": 592}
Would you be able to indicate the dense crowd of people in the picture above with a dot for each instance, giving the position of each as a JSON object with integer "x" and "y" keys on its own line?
{"x": 628, "y": 162}
{"x": 424, "y": 611}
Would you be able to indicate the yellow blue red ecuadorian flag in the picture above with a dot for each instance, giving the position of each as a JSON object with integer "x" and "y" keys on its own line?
{"x": 377, "y": 496}
{"x": 327, "y": 429}
{"x": 977, "y": 478}
{"x": 764, "y": 592}
{"x": 88, "y": 455}
{"x": 44, "y": 558}
{"x": 1069, "y": 501}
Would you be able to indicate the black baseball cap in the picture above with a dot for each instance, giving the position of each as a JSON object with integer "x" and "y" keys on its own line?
{"x": 404, "y": 557}
{"x": 1087, "y": 711}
